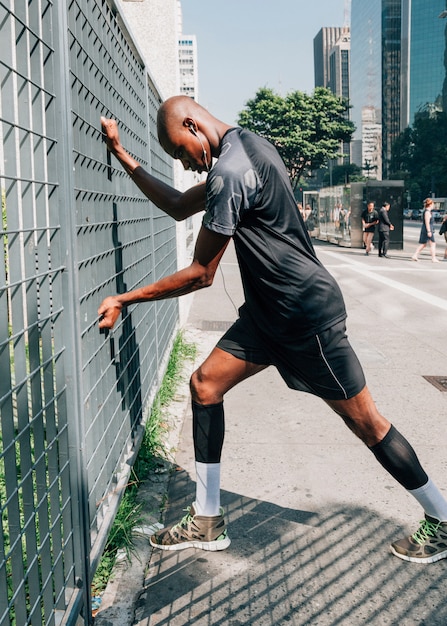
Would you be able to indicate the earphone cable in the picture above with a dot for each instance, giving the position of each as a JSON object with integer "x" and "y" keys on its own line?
{"x": 226, "y": 291}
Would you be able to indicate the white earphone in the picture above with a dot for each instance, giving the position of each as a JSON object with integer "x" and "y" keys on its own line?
{"x": 204, "y": 155}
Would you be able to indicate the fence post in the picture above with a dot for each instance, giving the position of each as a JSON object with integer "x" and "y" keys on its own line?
{"x": 72, "y": 336}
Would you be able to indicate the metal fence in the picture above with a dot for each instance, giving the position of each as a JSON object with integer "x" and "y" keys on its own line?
{"x": 74, "y": 229}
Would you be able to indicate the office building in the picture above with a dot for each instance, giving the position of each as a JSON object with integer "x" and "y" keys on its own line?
{"x": 376, "y": 78}
{"x": 187, "y": 50}
{"x": 425, "y": 36}
{"x": 331, "y": 70}
{"x": 338, "y": 79}
{"x": 371, "y": 142}
{"x": 323, "y": 44}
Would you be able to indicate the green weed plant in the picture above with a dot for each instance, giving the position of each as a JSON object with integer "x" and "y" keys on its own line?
{"x": 151, "y": 450}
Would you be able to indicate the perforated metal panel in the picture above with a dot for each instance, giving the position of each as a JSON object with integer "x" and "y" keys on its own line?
{"x": 74, "y": 230}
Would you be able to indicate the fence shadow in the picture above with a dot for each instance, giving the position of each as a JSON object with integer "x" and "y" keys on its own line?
{"x": 128, "y": 364}
{"x": 297, "y": 567}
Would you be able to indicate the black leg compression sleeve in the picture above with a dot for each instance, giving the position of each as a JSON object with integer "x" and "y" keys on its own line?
{"x": 400, "y": 460}
{"x": 208, "y": 428}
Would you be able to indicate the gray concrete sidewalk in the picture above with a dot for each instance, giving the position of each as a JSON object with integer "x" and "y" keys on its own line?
{"x": 310, "y": 512}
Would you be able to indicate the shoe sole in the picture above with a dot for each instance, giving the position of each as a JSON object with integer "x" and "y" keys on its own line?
{"x": 414, "y": 559}
{"x": 210, "y": 546}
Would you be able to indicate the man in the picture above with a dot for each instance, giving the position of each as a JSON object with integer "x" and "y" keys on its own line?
{"x": 384, "y": 230}
{"x": 293, "y": 316}
{"x": 370, "y": 219}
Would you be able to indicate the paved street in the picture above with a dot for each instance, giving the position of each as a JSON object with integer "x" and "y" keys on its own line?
{"x": 310, "y": 511}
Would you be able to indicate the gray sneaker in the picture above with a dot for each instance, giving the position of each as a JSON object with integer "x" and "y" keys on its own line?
{"x": 427, "y": 545}
{"x": 193, "y": 531}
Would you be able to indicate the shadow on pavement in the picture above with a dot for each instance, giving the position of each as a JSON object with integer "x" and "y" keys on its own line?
{"x": 287, "y": 566}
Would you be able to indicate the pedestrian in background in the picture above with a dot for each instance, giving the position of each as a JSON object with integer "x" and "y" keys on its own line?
{"x": 309, "y": 218}
{"x": 370, "y": 219}
{"x": 427, "y": 234}
{"x": 342, "y": 217}
{"x": 384, "y": 230}
{"x": 443, "y": 231}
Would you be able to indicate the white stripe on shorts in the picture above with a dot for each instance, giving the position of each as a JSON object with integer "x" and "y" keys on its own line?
{"x": 330, "y": 368}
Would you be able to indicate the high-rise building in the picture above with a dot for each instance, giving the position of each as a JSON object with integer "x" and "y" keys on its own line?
{"x": 338, "y": 79}
{"x": 339, "y": 62}
{"x": 376, "y": 75}
{"x": 323, "y": 44}
{"x": 331, "y": 67}
{"x": 391, "y": 77}
{"x": 371, "y": 142}
{"x": 187, "y": 51}
{"x": 366, "y": 69}
{"x": 425, "y": 53}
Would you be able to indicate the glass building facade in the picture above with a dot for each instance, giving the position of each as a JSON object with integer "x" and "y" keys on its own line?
{"x": 427, "y": 60}
{"x": 366, "y": 67}
{"x": 391, "y": 77}
{"x": 376, "y": 73}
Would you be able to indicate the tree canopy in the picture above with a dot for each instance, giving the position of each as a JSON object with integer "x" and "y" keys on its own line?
{"x": 419, "y": 156}
{"x": 343, "y": 174}
{"x": 307, "y": 130}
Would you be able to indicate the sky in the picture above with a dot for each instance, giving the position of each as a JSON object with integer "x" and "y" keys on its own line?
{"x": 244, "y": 45}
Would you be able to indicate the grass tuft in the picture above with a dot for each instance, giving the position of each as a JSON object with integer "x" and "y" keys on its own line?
{"x": 151, "y": 449}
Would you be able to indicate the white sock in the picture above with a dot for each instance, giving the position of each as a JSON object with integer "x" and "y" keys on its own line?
{"x": 207, "y": 489}
{"x": 431, "y": 500}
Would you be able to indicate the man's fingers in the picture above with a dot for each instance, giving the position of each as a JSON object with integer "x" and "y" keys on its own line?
{"x": 103, "y": 322}
{"x": 108, "y": 314}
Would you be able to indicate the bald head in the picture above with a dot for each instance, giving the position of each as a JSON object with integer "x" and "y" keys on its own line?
{"x": 182, "y": 112}
{"x": 173, "y": 113}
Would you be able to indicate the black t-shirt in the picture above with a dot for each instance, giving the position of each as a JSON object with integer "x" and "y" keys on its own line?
{"x": 288, "y": 292}
{"x": 369, "y": 217}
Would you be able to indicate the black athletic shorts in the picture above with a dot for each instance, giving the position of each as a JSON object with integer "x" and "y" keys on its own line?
{"x": 324, "y": 364}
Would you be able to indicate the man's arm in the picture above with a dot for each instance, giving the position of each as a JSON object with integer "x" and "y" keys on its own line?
{"x": 386, "y": 218}
{"x": 175, "y": 203}
{"x": 209, "y": 249}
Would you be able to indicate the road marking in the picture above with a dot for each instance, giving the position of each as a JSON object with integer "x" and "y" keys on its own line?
{"x": 370, "y": 273}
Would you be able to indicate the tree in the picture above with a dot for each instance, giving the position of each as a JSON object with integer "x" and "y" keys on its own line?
{"x": 343, "y": 174}
{"x": 307, "y": 130}
{"x": 420, "y": 155}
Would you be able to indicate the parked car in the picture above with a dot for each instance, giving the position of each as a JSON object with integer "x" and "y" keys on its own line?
{"x": 437, "y": 216}
{"x": 416, "y": 214}
{"x": 407, "y": 214}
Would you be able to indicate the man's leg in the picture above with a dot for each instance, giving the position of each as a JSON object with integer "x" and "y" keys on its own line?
{"x": 396, "y": 455}
{"x": 386, "y": 243}
{"x": 381, "y": 251}
{"x": 369, "y": 239}
{"x": 218, "y": 374}
{"x": 204, "y": 526}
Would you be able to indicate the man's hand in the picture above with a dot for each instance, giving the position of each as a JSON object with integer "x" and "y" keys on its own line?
{"x": 110, "y": 130}
{"x": 109, "y": 311}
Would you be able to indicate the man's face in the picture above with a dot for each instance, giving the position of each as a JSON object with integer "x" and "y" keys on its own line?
{"x": 192, "y": 149}
{"x": 370, "y": 206}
